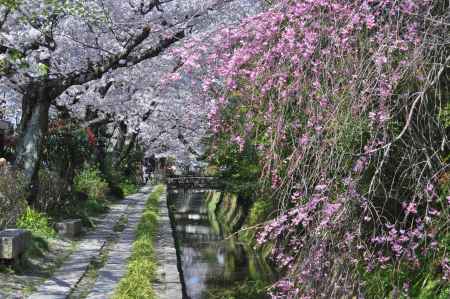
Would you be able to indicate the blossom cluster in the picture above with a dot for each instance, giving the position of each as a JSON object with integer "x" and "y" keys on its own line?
{"x": 326, "y": 85}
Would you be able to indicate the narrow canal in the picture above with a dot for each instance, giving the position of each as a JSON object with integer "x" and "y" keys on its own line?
{"x": 212, "y": 266}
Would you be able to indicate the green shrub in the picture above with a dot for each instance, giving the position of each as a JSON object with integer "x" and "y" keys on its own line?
{"x": 91, "y": 182}
{"x": 260, "y": 211}
{"x": 128, "y": 187}
{"x": 444, "y": 115}
{"x": 12, "y": 196}
{"x": 37, "y": 223}
{"x": 53, "y": 193}
{"x": 86, "y": 209}
{"x": 247, "y": 289}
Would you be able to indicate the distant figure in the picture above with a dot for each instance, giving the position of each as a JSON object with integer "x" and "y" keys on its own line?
{"x": 3, "y": 162}
{"x": 145, "y": 174}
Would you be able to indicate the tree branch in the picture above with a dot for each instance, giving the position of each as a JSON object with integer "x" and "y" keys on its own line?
{"x": 122, "y": 59}
{"x": 4, "y": 17}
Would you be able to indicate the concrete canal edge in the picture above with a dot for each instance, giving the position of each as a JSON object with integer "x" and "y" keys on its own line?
{"x": 168, "y": 282}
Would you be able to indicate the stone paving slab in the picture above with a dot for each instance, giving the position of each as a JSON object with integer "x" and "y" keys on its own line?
{"x": 168, "y": 284}
{"x": 70, "y": 273}
{"x": 116, "y": 265}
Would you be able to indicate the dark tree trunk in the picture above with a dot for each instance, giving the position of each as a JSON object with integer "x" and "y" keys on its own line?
{"x": 124, "y": 153}
{"x": 120, "y": 143}
{"x": 32, "y": 132}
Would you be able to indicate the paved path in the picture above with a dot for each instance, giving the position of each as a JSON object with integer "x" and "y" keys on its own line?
{"x": 168, "y": 284}
{"x": 71, "y": 272}
{"x": 116, "y": 266}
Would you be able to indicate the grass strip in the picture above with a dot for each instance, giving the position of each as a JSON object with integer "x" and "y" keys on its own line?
{"x": 142, "y": 265}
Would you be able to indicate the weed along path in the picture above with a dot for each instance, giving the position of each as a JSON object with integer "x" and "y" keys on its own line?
{"x": 152, "y": 269}
{"x": 79, "y": 276}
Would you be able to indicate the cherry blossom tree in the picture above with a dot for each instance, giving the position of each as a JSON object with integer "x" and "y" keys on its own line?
{"x": 74, "y": 53}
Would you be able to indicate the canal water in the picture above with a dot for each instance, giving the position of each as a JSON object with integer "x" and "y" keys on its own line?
{"x": 212, "y": 266}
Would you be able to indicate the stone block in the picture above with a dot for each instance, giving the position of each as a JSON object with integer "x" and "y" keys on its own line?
{"x": 13, "y": 243}
{"x": 69, "y": 228}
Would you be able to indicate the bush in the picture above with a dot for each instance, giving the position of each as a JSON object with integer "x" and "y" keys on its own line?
{"x": 53, "y": 192}
{"x": 259, "y": 212}
{"x": 122, "y": 181}
{"x": 87, "y": 209}
{"x": 128, "y": 187}
{"x": 36, "y": 222}
{"x": 12, "y": 196}
{"x": 91, "y": 182}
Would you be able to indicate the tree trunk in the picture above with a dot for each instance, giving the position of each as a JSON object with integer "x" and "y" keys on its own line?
{"x": 32, "y": 132}
{"x": 124, "y": 153}
{"x": 120, "y": 143}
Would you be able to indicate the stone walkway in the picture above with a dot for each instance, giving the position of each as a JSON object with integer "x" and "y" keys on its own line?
{"x": 116, "y": 266}
{"x": 65, "y": 279}
{"x": 168, "y": 284}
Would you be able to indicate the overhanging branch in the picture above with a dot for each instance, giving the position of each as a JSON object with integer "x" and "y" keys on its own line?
{"x": 122, "y": 59}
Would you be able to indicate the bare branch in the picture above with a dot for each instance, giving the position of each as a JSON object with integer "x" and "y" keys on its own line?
{"x": 4, "y": 17}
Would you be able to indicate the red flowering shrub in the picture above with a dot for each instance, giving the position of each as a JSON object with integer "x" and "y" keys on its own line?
{"x": 91, "y": 136}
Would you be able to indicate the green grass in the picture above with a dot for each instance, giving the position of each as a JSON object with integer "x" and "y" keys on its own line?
{"x": 247, "y": 289}
{"x": 37, "y": 223}
{"x": 137, "y": 284}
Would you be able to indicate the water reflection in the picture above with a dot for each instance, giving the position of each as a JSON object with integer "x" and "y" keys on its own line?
{"x": 209, "y": 263}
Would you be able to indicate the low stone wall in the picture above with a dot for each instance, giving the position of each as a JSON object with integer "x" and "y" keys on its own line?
{"x": 69, "y": 228}
{"x": 13, "y": 243}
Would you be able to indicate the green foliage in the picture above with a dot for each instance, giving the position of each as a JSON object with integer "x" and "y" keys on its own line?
{"x": 43, "y": 69}
{"x": 11, "y": 4}
{"x": 90, "y": 182}
{"x": 67, "y": 149}
{"x": 424, "y": 282}
{"x": 53, "y": 193}
{"x": 137, "y": 284}
{"x": 259, "y": 211}
{"x": 94, "y": 207}
{"x": 94, "y": 186}
{"x": 38, "y": 246}
{"x": 444, "y": 115}
{"x": 37, "y": 223}
{"x": 93, "y": 13}
{"x": 239, "y": 170}
{"x": 121, "y": 224}
{"x": 13, "y": 192}
{"x": 247, "y": 289}
{"x": 13, "y": 56}
{"x": 4, "y": 65}
{"x": 123, "y": 178}
{"x": 87, "y": 209}
{"x": 128, "y": 187}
